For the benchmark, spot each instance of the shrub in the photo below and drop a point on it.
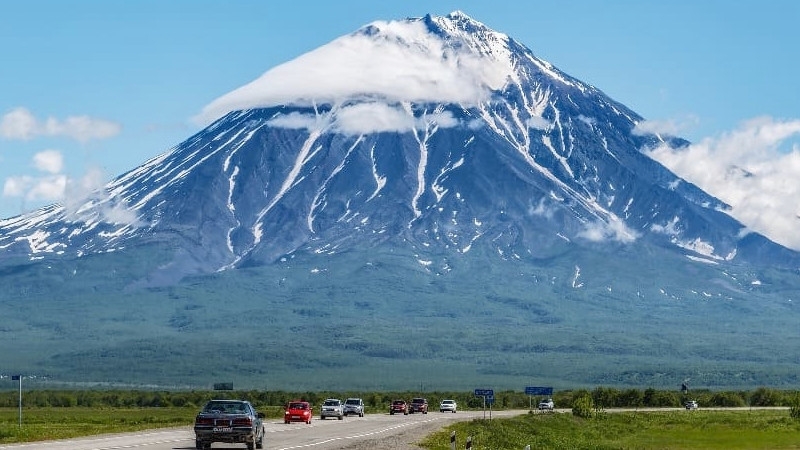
(583, 406)
(766, 397)
(794, 406)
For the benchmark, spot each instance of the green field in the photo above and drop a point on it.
(49, 423)
(756, 429)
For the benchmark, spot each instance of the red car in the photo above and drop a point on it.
(399, 406)
(298, 411)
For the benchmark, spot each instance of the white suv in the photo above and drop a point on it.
(448, 405)
(354, 406)
(332, 408)
(547, 404)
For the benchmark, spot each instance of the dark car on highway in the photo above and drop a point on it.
(231, 422)
(398, 406)
(418, 405)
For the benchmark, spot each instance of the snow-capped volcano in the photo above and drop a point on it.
(437, 133)
(478, 211)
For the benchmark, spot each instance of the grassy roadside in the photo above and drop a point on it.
(761, 429)
(40, 424)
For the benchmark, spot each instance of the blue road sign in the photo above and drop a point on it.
(484, 392)
(490, 399)
(15, 377)
(538, 390)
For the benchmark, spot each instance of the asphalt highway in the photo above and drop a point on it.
(319, 435)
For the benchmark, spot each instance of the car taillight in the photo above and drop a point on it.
(242, 422)
(204, 421)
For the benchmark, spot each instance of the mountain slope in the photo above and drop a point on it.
(437, 147)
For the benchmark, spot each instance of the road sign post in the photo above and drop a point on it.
(485, 393)
(19, 378)
(537, 390)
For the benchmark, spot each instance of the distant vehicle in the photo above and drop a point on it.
(418, 404)
(354, 406)
(399, 406)
(231, 422)
(691, 404)
(298, 411)
(332, 407)
(448, 405)
(546, 405)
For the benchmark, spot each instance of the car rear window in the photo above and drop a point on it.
(352, 402)
(297, 406)
(331, 403)
(225, 407)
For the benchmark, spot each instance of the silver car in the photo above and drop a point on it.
(332, 407)
(448, 405)
(354, 406)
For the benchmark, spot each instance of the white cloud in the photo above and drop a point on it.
(542, 209)
(664, 127)
(539, 123)
(746, 169)
(671, 228)
(21, 124)
(90, 187)
(392, 61)
(18, 124)
(17, 186)
(365, 118)
(50, 161)
(73, 194)
(296, 121)
(613, 230)
(47, 188)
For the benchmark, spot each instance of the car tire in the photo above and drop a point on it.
(341, 417)
(391, 413)
(361, 414)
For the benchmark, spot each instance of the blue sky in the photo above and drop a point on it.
(91, 89)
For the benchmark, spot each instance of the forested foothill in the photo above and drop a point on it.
(602, 397)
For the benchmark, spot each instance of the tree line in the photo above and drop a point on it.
(602, 397)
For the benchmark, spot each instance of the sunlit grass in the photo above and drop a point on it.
(39, 424)
(645, 430)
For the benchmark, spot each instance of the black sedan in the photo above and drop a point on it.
(229, 421)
